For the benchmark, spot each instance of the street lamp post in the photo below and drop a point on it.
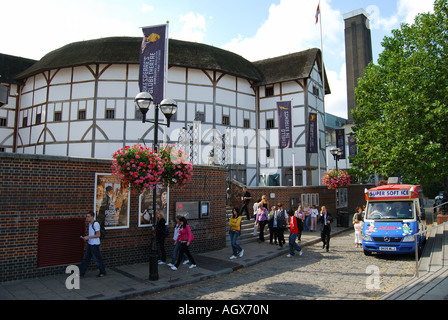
(144, 101)
(336, 152)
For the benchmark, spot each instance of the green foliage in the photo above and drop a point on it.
(401, 121)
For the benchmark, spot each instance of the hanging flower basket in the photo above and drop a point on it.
(142, 168)
(139, 166)
(178, 170)
(334, 179)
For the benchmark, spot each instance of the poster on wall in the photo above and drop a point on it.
(111, 201)
(145, 209)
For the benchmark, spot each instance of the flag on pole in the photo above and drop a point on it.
(317, 13)
(312, 133)
(284, 124)
(153, 61)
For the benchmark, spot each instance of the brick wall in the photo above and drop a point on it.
(34, 187)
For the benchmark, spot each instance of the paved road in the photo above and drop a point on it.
(343, 273)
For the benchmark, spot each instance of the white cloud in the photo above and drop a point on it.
(378, 21)
(336, 102)
(291, 27)
(410, 8)
(193, 28)
(147, 8)
(49, 24)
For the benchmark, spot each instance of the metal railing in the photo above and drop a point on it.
(421, 233)
(432, 209)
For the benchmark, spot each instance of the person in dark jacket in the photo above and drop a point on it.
(325, 220)
(160, 236)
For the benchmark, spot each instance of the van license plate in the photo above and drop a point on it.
(388, 249)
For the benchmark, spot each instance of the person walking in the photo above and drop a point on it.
(299, 214)
(262, 219)
(161, 234)
(325, 220)
(281, 217)
(235, 231)
(358, 215)
(272, 225)
(177, 245)
(357, 225)
(246, 197)
(293, 232)
(93, 247)
(255, 216)
(314, 213)
(185, 238)
(307, 217)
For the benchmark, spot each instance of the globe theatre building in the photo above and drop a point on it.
(78, 101)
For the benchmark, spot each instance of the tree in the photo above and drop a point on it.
(401, 119)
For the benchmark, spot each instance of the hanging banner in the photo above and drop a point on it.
(284, 124)
(312, 133)
(340, 141)
(153, 55)
(352, 149)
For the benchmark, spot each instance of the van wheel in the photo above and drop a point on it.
(367, 253)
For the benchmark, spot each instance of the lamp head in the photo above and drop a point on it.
(143, 101)
(169, 108)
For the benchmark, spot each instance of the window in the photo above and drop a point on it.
(269, 91)
(315, 91)
(2, 122)
(200, 116)
(270, 124)
(38, 118)
(82, 115)
(310, 198)
(57, 116)
(25, 122)
(246, 123)
(110, 114)
(226, 120)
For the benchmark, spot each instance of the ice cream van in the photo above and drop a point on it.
(394, 213)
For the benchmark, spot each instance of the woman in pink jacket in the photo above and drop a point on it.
(185, 237)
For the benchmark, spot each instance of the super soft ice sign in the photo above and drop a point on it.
(380, 194)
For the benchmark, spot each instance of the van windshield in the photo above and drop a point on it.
(390, 210)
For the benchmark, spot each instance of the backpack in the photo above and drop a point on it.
(281, 221)
(102, 229)
(299, 223)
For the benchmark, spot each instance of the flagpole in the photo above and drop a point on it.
(323, 96)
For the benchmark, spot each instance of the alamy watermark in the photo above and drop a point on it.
(373, 280)
(72, 281)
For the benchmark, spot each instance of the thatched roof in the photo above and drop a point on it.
(123, 50)
(290, 67)
(10, 66)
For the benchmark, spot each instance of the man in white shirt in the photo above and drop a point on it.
(93, 247)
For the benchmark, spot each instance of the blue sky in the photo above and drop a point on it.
(255, 29)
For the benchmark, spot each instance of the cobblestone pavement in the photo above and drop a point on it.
(342, 273)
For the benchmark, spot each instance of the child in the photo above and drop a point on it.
(358, 232)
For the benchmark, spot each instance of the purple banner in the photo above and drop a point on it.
(340, 141)
(312, 133)
(152, 61)
(284, 124)
(352, 149)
